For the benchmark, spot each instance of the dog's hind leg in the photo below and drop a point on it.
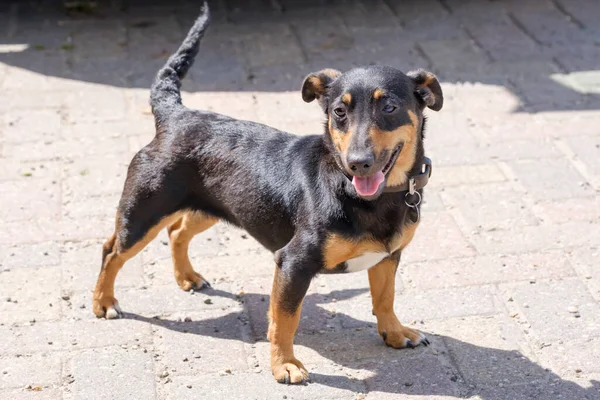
(181, 233)
(115, 252)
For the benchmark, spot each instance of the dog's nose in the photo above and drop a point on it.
(360, 163)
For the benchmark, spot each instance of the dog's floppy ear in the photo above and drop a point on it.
(428, 89)
(316, 84)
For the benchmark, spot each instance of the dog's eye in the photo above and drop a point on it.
(388, 108)
(339, 112)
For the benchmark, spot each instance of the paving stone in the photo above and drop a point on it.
(69, 148)
(95, 206)
(420, 306)
(235, 105)
(456, 272)
(27, 304)
(438, 228)
(216, 269)
(32, 337)
(576, 209)
(482, 153)
(421, 375)
(279, 109)
(42, 370)
(463, 175)
(126, 333)
(29, 255)
(550, 179)
(19, 169)
(571, 357)
(212, 342)
(25, 394)
(535, 238)
(17, 233)
(29, 198)
(489, 350)
(578, 388)
(489, 206)
(95, 176)
(546, 306)
(265, 387)
(92, 105)
(31, 126)
(587, 149)
(585, 261)
(275, 46)
(106, 367)
(159, 300)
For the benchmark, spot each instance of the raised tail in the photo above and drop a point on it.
(165, 95)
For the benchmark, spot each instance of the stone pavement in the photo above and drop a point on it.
(504, 271)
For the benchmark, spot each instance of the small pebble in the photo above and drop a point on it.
(164, 374)
(514, 314)
(572, 309)
(578, 370)
(408, 383)
(189, 386)
(208, 301)
(532, 280)
(228, 370)
(510, 299)
(66, 297)
(187, 319)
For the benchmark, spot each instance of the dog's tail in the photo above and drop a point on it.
(165, 95)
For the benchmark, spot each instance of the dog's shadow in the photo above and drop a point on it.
(449, 367)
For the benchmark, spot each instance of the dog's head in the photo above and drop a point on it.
(374, 120)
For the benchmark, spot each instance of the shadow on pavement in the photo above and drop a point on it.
(491, 374)
(271, 45)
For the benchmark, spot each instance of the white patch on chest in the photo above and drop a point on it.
(365, 261)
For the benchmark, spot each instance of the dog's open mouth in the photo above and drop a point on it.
(369, 186)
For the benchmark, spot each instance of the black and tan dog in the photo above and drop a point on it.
(343, 201)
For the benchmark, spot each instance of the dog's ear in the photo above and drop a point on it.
(316, 84)
(427, 89)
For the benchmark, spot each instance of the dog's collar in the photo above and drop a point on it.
(415, 182)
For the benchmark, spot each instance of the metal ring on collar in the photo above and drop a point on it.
(412, 205)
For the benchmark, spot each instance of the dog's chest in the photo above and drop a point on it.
(342, 254)
(364, 261)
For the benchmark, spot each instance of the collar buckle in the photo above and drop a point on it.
(411, 186)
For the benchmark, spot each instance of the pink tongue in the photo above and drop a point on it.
(368, 185)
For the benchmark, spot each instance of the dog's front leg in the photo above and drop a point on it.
(382, 282)
(293, 273)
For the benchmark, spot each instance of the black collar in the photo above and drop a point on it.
(415, 182)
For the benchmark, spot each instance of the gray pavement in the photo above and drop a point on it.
(503, 273)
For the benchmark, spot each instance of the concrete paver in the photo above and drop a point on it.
(506, 252)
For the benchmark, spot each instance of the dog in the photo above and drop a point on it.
(344, 201)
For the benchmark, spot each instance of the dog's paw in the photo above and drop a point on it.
(404, 337)
(291, 371)
(107, 307)
(191, 281)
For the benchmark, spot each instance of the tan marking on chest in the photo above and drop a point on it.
(338, 249)
(403, 238)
